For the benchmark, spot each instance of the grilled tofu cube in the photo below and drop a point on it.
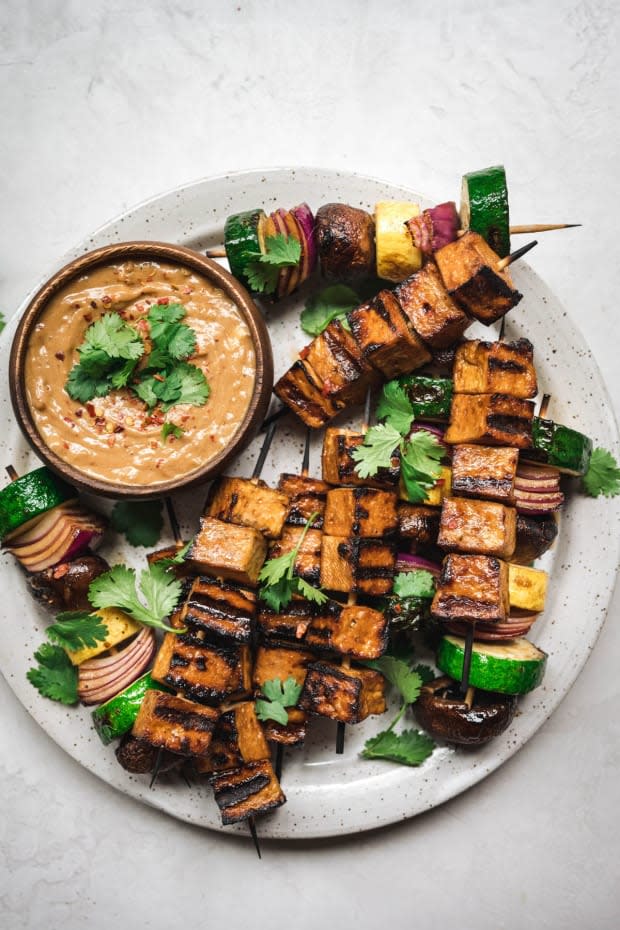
(219, 611)
(291, 623)
(468, 268)
(436, 318)
(292, 733)
(360, 632)
(233, 552)
(249, 503)
(205, 673)
(176, 724)
(180, 570)
(418, 522)
(337, 360)
(301, 389)
(348, 695)
(385, 337)
(477, 527)
(238, 738)
(247, 791)
(338, 464)
(484, 471)
(527, 588)
(491, 419)
(308, 560)
(281, 662)
(495, 368)
(354, 565)
(360, 512)
(472, 587)
(306, 496)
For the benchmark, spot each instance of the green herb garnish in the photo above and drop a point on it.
(603, 475)
(55, 677)
(278, 581)
(147, 600)
(77, 629)
(332, 303)
(2, 321)
(170, 429)
(395, 407)
(263, 268)
(140, 521)
(279, 697)
(416, 583)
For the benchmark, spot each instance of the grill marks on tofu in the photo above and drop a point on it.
(228, 551)
(208, 674)
(175, 723)
(347, 695)
(418, 523)
(249, 503)
(337, 360)
(385, 337)
(338, 464)
(472, 588)
(356, 565)
(217, 611)
(238, 738)
(435, 317)
(495, 368)
(490, 419)
(301, 389)
(247, 791)
(477, 527)
(308, 561)
(281, 662)
(468, 268)
(354, 630)
(484, 471)
(360, 512)
(306, 496)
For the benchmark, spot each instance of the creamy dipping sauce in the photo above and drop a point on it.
(114, 438)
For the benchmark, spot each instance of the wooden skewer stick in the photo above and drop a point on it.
(504, 262)
(11, 472)
(174, 523)
(469, 645)
(217, 251)
(254, 835)
(157, 766)
(544, 406)
(274, 417)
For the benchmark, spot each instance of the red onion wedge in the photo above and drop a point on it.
(305, 219)
(405, 562)
(70, 533)
(435, 227)
(99, 679)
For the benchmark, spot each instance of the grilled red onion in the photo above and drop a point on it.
(405, 562)
(99, 679)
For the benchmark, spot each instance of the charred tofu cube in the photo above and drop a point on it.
(484, 471)
(227, 551)
(337, 360)
(385, 337)
(348, 695)
(477, 527)
(292, 733)
(491, 419)
(469, 271)
(290, 624)
(355, 565)
(208, 674)
(338, 464)
(418, 522)
(360, 632)
(360, 512)
(472, 588)
(176, 724)
(301, 389)
(281, 662)
(495, 368)
(238, 738)
(249, 503)
(308, 560)
(247, 791)
(219, 611)
(306, 496)
(180, 570)
(430, 309)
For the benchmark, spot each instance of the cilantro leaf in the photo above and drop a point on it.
(376, 451)
(2, 321)
(193, 386)
(112, 336)
(140, 521)
(416, 484)
(278, 579)
(82, 386)
(77, 629)
(423, 452)
(277, 594)
(603, 475)
(177, 559)
(395, 407)
(263, 269)
(171, 340)
(425, 672)
(309, 591)
(171, 429)
(398, 673)
(279, 696)
(416, 583)
(159, 588)
(55, 677)
(165, 313)
(411, 747)
(332, 303)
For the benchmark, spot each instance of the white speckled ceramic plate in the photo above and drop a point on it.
(330, 794)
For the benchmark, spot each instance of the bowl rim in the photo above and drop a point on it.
(144, 250)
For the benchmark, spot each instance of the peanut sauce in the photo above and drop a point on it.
(114, 438)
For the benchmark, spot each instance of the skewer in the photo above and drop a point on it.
(254, 835)
(504, 262)
(544, 406)
(469, 645)
(274, 417)
(174, 523)
(11, 472)
(157, 766)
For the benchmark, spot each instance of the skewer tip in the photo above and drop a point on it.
(254, 835)
(509, 259)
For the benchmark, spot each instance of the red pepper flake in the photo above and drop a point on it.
(106, 300)
(79, 413)
(91, 410)
(111, 440)
(60, 571)
(88, 317)
(158, 377)
(119, 429)
(99, 421)
(163, 301)
(76, 306)
(69, 422)
(93, 304)
(60, 356)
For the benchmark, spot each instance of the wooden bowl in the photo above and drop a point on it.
(156, 252)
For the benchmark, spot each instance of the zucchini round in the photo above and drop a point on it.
(27, 498)
(559, 446)
(513, 667)
(243, 239)
(484, 207)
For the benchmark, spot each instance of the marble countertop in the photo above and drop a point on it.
(108, 103)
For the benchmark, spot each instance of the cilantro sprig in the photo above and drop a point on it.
(603, 475)
(409, 603)
(55, 676)
(113, 355)
(420, 452)
(77, 629)
(262, 269)
(280, 695)
(147, 599)
(279, 582)
(140, 521)
(409, 747)
(332, 303)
